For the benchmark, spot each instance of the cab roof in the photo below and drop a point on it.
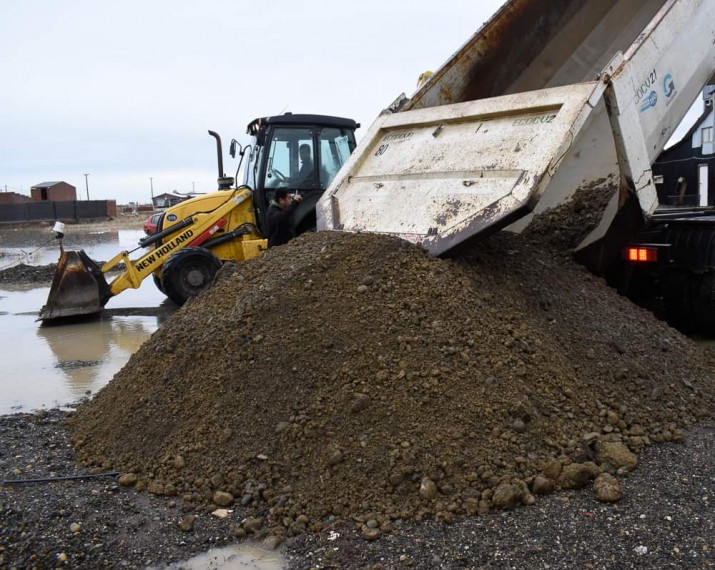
(291, 119)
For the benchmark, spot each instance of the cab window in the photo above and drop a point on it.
(336, 145)
(290, 161)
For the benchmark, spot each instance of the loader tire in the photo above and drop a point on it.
(188, 272)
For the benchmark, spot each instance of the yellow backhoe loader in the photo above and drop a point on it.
(196, 236)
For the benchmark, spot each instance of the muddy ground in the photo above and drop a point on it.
(371, 407)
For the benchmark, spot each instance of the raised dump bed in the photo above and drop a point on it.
(545, 99)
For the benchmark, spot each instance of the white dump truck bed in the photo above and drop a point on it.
(544, 99)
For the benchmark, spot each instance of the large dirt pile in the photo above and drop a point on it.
(353, 377)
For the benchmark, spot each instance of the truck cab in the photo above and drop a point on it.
(301, 153)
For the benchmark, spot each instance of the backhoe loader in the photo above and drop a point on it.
(196, 236)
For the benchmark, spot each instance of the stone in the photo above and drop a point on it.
(370, 533)
(575, 476)
(614, 456)
(187, 523)
(252, 525)
(542, 485)
(428, 489)
(361, 402)
(552, 469)
(127, 479)
(179, 462)
(396, 479)
(519, 426)
(155, 488)
(336, 457)
(223, 499)
(607, 488)
(75, 527)
(507, 495)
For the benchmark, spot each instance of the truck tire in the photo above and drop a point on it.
(704, 303)
(678, 300)
(188, 272)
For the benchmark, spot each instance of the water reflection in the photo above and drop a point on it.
(84, 353)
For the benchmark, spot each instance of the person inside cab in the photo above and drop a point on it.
(304, 178)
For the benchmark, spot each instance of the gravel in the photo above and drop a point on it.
(665, 520)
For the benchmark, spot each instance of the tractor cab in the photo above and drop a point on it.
(301, 153)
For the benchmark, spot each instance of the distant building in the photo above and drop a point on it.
(167, 200)
(13, 198)
(685, 173)
(53, 191)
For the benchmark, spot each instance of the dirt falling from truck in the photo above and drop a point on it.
(351, 377)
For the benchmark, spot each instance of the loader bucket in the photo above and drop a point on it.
(78, 288)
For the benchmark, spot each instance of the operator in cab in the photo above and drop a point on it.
(305, 174)
(279, 218)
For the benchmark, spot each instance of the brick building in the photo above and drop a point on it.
(53, 191)
(13, 198)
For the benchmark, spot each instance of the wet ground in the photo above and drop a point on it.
(47, 367)
(54, 366)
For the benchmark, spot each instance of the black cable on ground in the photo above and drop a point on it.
(66, 478)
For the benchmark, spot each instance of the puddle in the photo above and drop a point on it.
(37, 247)
(55, 366)
(236, 557)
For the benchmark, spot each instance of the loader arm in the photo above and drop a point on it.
(79, 286)
(192, 231)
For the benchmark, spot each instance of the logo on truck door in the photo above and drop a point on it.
(669, 89)
(645, 94)
(650, 101)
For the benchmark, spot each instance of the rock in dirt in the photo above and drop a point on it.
(614, 456)
(507, 495)
(607, 488)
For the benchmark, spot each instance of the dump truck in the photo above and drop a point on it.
(546, 99)
(194, 237)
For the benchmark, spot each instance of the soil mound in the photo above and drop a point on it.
(22, 274)
(352, 377)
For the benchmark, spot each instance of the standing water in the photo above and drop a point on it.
(54, 366)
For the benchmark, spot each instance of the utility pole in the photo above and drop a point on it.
(193, 186)
(86, 184)
(151, 181)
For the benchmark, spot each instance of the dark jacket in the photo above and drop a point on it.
(304, 179)
(279, 223)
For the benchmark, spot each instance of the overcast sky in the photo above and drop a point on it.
(125, 91)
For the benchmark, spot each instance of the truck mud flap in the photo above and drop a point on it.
(78, 288)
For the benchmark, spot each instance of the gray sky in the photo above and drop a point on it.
(126, 90)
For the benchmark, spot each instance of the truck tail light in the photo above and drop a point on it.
(642, 254)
